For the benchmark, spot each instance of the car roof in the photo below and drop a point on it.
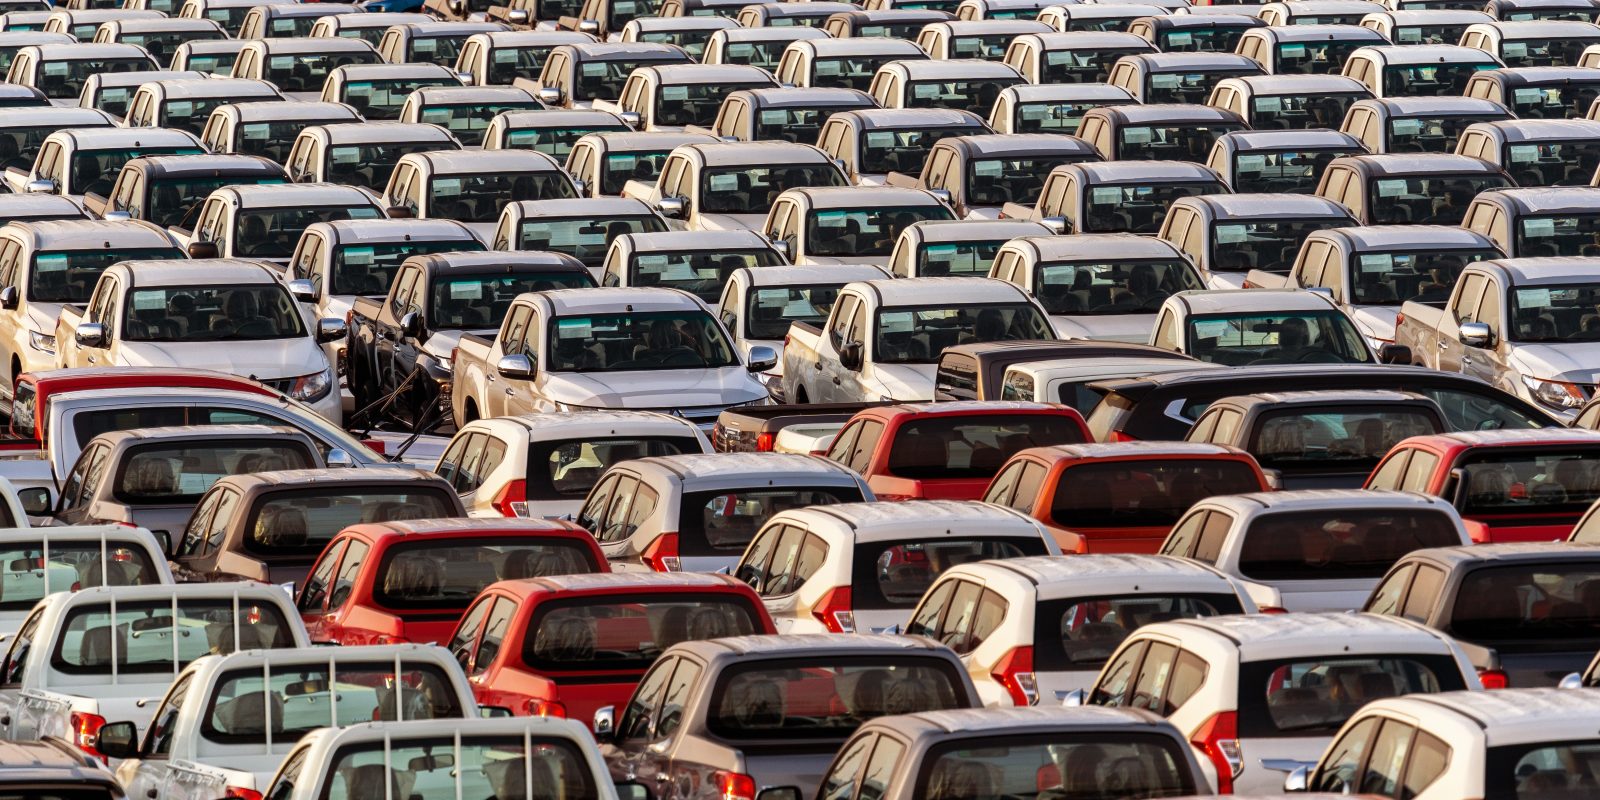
(619, 582)
(1218, 301)
(696, 240)
(383, 131)
(1521, 436)
(1150, 450)
(924, 291)
(1086, 575)
(51, 762)
(875, 118)
(1017, 144)
(626, 141)
(1296, 84)
(1323, 32)
(90, 234)
(215, 87)
(1241, 206)
(1322, 397)
(1554, 269)
(330, 478)
(500, 261)
(933, 231)
(1549, 198)
(89, 50)
(765, 153)
(813, 95)
(1120, 171)
(471, 94)
(286, 45)
(198, 272)
(1423, 53)
(951, 69)
(1525, 75)
(1523, 130)
(1509, 716)
(710, 73)
(833, 274)
(600, 422)
(581, 206)
(258, 195)
(1291, 140)
(601, 51)
(807, 644)
(528, 118)
(1168, 112)
(292, 111)
(1425, 237)
(450, 161)
(923, 519)
(1097, 246)
(1085, 40)
(1436, 16)
(832, 197)
(1177, 62)
(613, 298)
(1506, 552)
(1022, 720)
(210, 163)
(90, 138)
(513, 526)
(186, 432)
(1306, 635)
(975, 27)
(856, 46)
(1419, 163)
(1323, 500)
(754, 469)
(63, 116)
(360, 72)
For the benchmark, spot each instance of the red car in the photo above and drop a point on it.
(393, 582)
(571, 645)
(1510, 486)
(30, 406)
(1123, 497)
(947, 451)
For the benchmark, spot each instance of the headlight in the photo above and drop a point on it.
(313, 387)
(42, 341)
(1559, 395)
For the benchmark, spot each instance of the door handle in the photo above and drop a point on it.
(1442, 344)
(491, 377)
(836, 382)
(816, 365)
(511, 392)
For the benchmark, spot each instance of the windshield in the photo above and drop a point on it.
(1176, 142)
(602, 80)
(1114, 287)
(1097, 766)
(975, 96)
(63, 80)
(811, 697)
(1429, 134)
(449, 573)
(654, 340)
(96, 170)
(296, 525)
(369, 269)
(156, 475)
(69, 276)
(854, 72)
(553, 142)
(82, 564)
(473, 766)
(567, 470)
(583, 239)
(975, 446)
(639, 165)
(441, 49)
(895, 30)
(1285, 171)
(969, 258)
(1149, 493)
(1557, 770)
(114, 100)
(369, 166)
(219, 64)
(1343, 544)
(753, 189)
(306, 72)
(1430, 34)
(864, 231)
(1137, 208)
(273, 139)
(1563, 52)
(1389, 279)
(702, 273)
(616, 632)
(1352, 439)
(1269, 245)
(1054, 117)
(1548, 602)
(919, 335)
(765, 55)
(273, 232)
(1427, 199)
(1209, 39)
(480, 197)
(1319, 695)
(997, 181)
(1562, 101)
(480, 302)
(191, 115)
(692, 42)
(1548, 482)
(229, 18)
(211, 313)
(1187, 87)
(903, 151)
(694, 103)
(146, 637)
(1311, 337)
(506, 64)
(1558, 235)
(19, 146)
(801, 125)
(171, 200)
(470, 121)
(383, 99)
(1324, 110)
(1318, 58)
(1431, 80)
(1081, 66)
(1556, 313)
(1552, 163)
(300, 698)
(771, 310)
(1080, 634)
(991, 47)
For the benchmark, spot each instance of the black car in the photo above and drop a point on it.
(55, 770)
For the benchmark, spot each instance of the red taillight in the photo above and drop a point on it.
(896, 498)
(453, 352)
(375, 446)
(384, 638)
(662, 554)
(1015, 672)
(835, 612)
(512, 501)
(1248, 285)
(1218, 738)
(1494, 679)
(1119, 436)
(86, 732)
(733, 786)
(1273, 610)
(240, 793)
(765, 441)
(1399, 319)
(546, 708)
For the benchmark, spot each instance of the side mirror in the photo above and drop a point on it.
(9, 297)
(494, 712)
(331, 329)
(91, 334)
(35, 501)
(517, 367)
(1476, 334)
(303, 290)
(782, 246)
(631, 119)
(590, 26)
(200, 249)
(411, 325)
(519, 17)
(943, 195)
(1572, 680)
(548, 95)
(464, 77)
(1057, 225)
(1394, 354)
(582, 186)
(397, 212)
(118, 740)
(164, 541)
(605, 722)
(850, 355)
(340, 459)
(1298, 781)
(1074, 698)
(673, 207)
(762, 358)
(45, 186)
(779, 793)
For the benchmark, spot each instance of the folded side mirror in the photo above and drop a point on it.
(673, 207)
(850, 355)
(1476, 334)
(762, 358)
(9, 298)
(340, 459)
(1394, 354)
(1057, 225)
(35, 501)
(331, 329)
(516, 367)
(91, 334)
(1076, 697)
(518, 17)
(411, 325)
(398, 212)
(303, 290)
(118, 740)
(943, 195)
(631, 119)
(549, 95)
(632, 791)
(782, 246)
(41, 187)
(1571, 680)
(199, 249)
(589, 26)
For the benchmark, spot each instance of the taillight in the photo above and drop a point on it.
(733, 785)
(546, 708)
(897, 498)
(1015, 672)
(1494, 679)
(512, 501)
(240, 793)
(1248, 285)
(1218, 738)
(1119, 437)
(1399, 319)
(384, 638)
(1272, 610)
(835, 612)
(765, 441)
(662, 554)
(86, 732)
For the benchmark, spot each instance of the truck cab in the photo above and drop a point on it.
(1226, 236)
(1099, 285)
(582, 229)
(963, 84)
(576, 75)
(1292, 102)
(160, 36)
(465, 111)
(187, 104)
(784, 114)
(758, 46)
(1079, 57)
(841, 63)
(1115, 196)
(1055, 108)
(759, 303)
(268, 129)
(285, 20)
(870, 144)
(954, 248)
(676, 96)
(265, 221)
(378, 91)
(1537, 152)
(1278, 162)
(1410, 188)
(1417, 124)
(977, 175)
(847, 224)
(553, 132)
(25, 129)
(731, 185)
(299, 66)
(434, 42)
(498, 58)
(604, 163)
(1161, 132)
(166, 190)
(1264, 327)
(471, 186)
(76, 161)
(361, 154)
(110, 92)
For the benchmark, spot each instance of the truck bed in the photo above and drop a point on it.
(1419, 330)
(749, 429)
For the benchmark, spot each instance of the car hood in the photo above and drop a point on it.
(440, 343)
(905, 381)
(1377, 322)
(42, 316)
(262, 359)
(1133, 328)
(728, 222)
(677, 388)
(1578, 362)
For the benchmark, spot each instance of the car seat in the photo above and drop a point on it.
(281, 526)
(247, 715)
(757, 704)
(567, 640)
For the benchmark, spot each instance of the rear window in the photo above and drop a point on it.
(1058, 765)
(299, 698)
(1317, 695)
(1554, 602)
(1556, 770)
(568, 470)
(36, 568)
(627, 632)
(828, 698)
(956, 447)
(896, 574)
(1081, 633)
(449, 573)
(486, 766)
(723, 523)
(1131, 494)
(145, 636)
(299, 524)
(1346, 440)
(1337, 545)
(163, 475)
(1541, 482)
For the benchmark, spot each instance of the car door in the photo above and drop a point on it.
(13, 673)
(313, 599)
(1452, 355)
(155, 775)
(1488, 364)
(636, 732)
(387, 343)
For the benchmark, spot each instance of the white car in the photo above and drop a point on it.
(1055, 620)
(1255, 693)
(1509, 743)
(698, 513)
(547, 463)
(863, 566)
(78, 554)
(1316, 549)
(1067, 380)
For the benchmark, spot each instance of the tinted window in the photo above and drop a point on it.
(1080, 634)
(302, 697)
(895, 574)
(568, 470)
(165, 475)
(704, 273)
(973, 446)
(827, 698)
(722, 523)
(1540, 482)
(487, 767)
(1058, 764)
(1551, 602)
(449, 573)
(1542, 771)
(622, 632)
(145, 636)
(1298, 338)
(771, 310)
(1320, 694)
(1144, 493)
(70, 276)
(72, 565)
(1339, 544)
(298, 524)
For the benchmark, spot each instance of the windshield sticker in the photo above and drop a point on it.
(1180, 38)
(894, 322)
(988, 169)
(774, 117)
(1533, 298)
(1269, 104)
(447, 186)
(1136, 135)
(1292, 50)
(1514, 49)
(1539, 226)
(1250, 163)
(573, 328)
(1232, 234)
(724, 183)
(345, 155)
(831, 219)
(651, 263)
(1165, 81)
(1033, 112)
(149, 301)
(1407, 127)
(1102, 195)
(506, 56)
(1391, 188)
(829, 67)
(466, 290)
(1210, 328)
(674, 93)
(51, 262)
(356, 256)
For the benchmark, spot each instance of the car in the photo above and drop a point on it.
(1091, 17)
(1325, 12)
(886, 23)
(1243, 233)
(975, 371)
(843, 63)
(434, 42)
(378, 91)
(977, 175)
(363, 154)
(54, 766)
(279, 21)
(1285, 326)
(985, 39)
(961, 84)
(1545, 152)
(59, 70)
(269, 128)
(1410, 188)
(1253, 691)
(187, 104)
(1312, 549)
(689, 32)
(365, 25)
(1079, 57)
(1097, 285)
(603, 163)
(1417, 124)
(498, 58)
(159, 36)
(955, 248)
(552, 132)
(1055, 108)
(13, 40)
(73, 162)
(870, 144)
(569, 646)
(576, 75)
(583, 229)
(1538, 92)
(79, 555)
(732, 185)
(465, 111)
(703, 263)
(1417, 70)
(167, 190)
(1177, 77)
(1032, 629)
(777, 15)
(24, 130)
(471, 186)
(1068, 380)
(1580, 10)
(1425, 25)
(38, 208)
(763, 46)
(271, 526)
(81, 23)
(1115, 196)
(210, 56)
(1540, 222)
(1533, 43)
(1308, 49)
(822, 225)
(790, 114)
(1288, 102)
(298, 66)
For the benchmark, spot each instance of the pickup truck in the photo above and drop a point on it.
(650, 349)
(1526, 326)
(829, 225)
(402, 345)
(500, 57)
(671, 97)
(78, 557)
(75, 161)
(24, 129)
(759, 303)
(472, 186)
(731, 185)
(69, 670)
(882, 338)
(233, 314)
(577, 75)
(1265, 326)
(265, 221)
(168, 190)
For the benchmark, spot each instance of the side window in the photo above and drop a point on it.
(863, 448)
(885, 757)
(1033, 475)
(349, 567)
(1388, 759)
(991, 612)
(313, 597)
(753, 566)
(957, 628)
(841, 320)
(614, 525)
(1209, 548)
(158, 741)
(1004, 485)
(1203, 428)
(1151, 681)
(1389, 473)
(925, 621)
(637, 719)
(494, 633)
(779, 578)
(844, 444)
(1117, 677)
(1429, 756)
(466, 475)
(1489, 307)
(1167, 332)
(450, 462)
(1465, 305)
(1188, 675)
(12, 671)
(1386, 598)
(467, 632)
(1341, 767)
(1419, 473)
(1424, 594)
(683, 681)
(511, 336)
(844, 777)
(1185, 535)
